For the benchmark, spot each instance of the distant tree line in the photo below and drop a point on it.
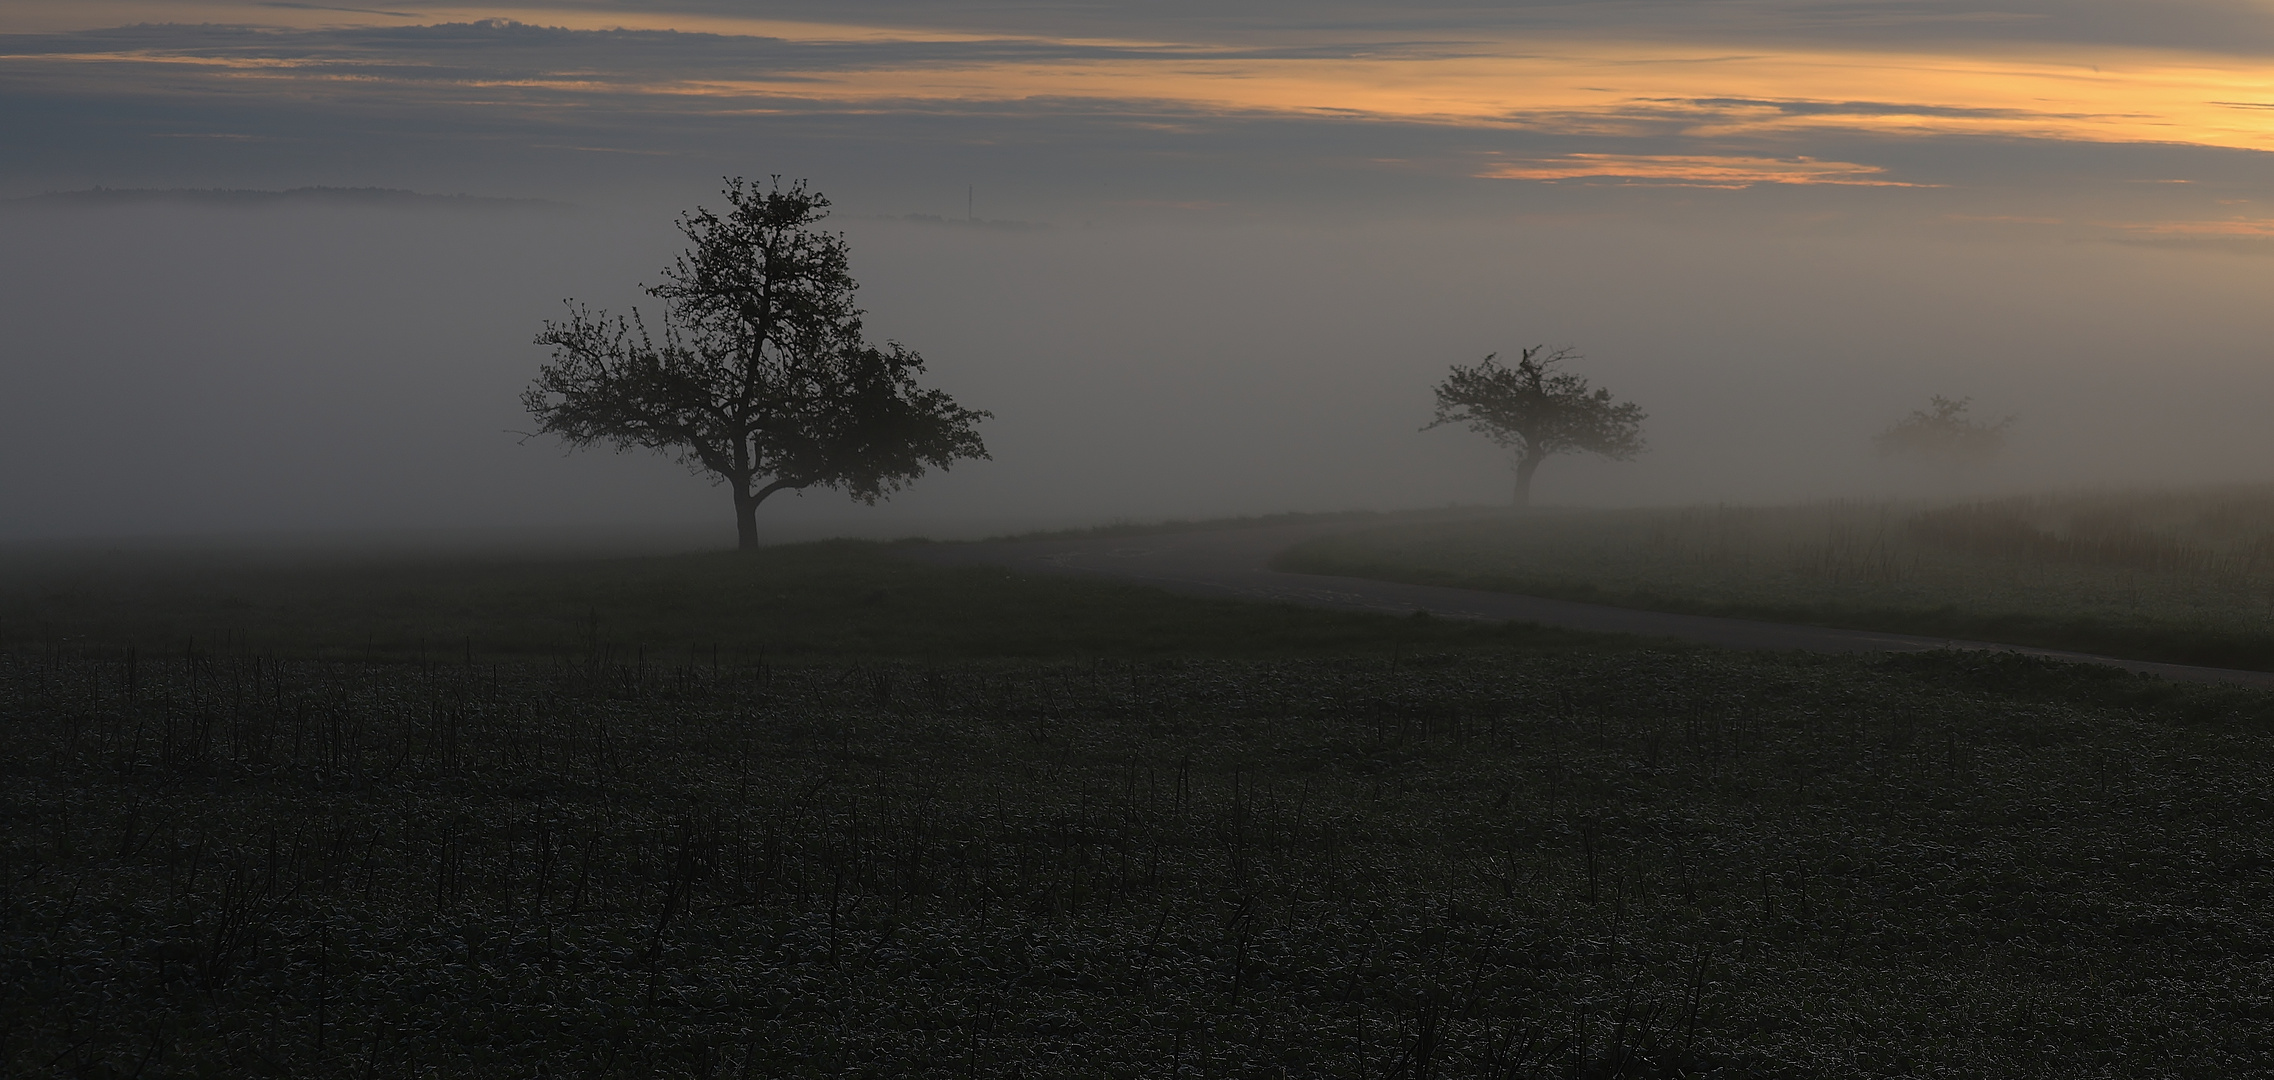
(760, 376)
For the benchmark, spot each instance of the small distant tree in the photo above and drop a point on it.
(761, 377)
(1943, 434)
(1536, 412)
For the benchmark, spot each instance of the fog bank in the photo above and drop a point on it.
(176, 369)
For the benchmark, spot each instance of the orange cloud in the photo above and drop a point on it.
(1610, 87)
(1569, 85)
(1693, 170)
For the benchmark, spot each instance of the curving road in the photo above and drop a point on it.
(1236, 562)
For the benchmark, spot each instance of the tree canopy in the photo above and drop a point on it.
(761, 376)
(1942, 433)
(1535, 411)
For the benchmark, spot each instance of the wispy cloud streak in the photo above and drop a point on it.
(1695, 170)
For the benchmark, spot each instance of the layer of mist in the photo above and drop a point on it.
(318, 368)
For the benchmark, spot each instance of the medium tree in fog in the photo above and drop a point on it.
(1943, 434)
(761, 376)
(1535, 412)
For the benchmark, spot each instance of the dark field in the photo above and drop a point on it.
(836, 599)
(1635, 864)
(910, 821)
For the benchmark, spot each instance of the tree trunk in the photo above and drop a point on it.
(1524, 469)
(745, 515)
(746, 508)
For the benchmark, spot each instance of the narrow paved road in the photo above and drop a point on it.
(1236, 562)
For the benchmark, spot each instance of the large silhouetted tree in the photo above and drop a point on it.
(761, 376)
(1536, 412)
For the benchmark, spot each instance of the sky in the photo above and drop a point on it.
(1196, 259)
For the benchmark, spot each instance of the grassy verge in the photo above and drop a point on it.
(2133, 641)
(833, 599)
(1636, 864)
(1819, 566)
(1354, 518)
